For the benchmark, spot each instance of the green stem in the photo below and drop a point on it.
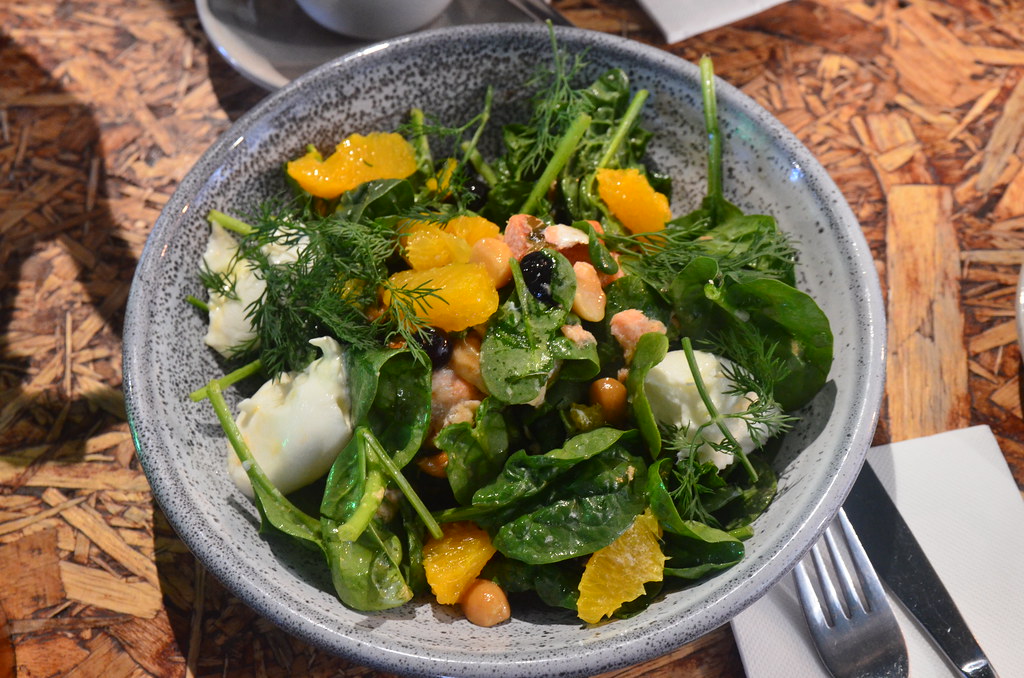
(561, 156)
(198, 303)
(707, 87)
(368, 505)
(480, 165)
(716, 417)
(374, 447)
(422, 143)
(228, 379)
(230, 223)
(485, 116)
(625, 124)
(308, 527)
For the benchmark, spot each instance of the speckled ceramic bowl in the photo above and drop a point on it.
(445, 72)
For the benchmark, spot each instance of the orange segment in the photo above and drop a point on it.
(455, 560)
(357, 159)
(632, 200)
(463, 296)
(472, 228)
(617, 573)
(427, 246)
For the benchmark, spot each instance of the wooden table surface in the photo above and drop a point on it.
(916, 108)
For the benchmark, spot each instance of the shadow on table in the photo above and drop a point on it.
(60, 250)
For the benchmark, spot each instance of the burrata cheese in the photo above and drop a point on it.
(675, 401)
(296, 424)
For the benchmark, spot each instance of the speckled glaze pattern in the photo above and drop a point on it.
(445, 72)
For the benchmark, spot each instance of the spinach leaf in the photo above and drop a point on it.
(516, 360)
(751, 501)
(556, 584)
(695, 312)
(367, 573)
(355, 488)
(664, 508)
(381, 198)
(585, 512)
(476, 451)
(690, 558)
(390, 393)
(415, 537)
(599, 255)
(650, 351)
(525, 475)
(792, 320)
(578, 362)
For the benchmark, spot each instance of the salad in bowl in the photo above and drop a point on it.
(509, 375)
(464, 355)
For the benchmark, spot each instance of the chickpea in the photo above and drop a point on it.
(435, 465)
(610, 395)
(493, 254)
(465, 361)
(484, 603)
(590, 300)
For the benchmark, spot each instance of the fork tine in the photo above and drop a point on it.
(828, 589)
(807, 596)
(842, 573)
(873, 593)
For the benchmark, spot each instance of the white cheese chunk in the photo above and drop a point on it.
(675, 401)
(295, 425)
(230, 325)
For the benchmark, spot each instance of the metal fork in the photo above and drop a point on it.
(860, 639)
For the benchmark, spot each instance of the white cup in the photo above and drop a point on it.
(373, 19)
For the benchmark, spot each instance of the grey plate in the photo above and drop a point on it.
(272, 42)
(445, 72)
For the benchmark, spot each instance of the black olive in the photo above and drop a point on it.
(537, 268)
(480, 190)
(437, 344)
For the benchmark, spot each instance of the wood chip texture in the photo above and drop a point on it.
(915, 107)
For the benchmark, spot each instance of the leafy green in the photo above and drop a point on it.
(367, 573)
(476, 451)
(516, 360)
(650, 350)
(581, 514)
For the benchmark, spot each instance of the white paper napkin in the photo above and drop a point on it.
(679, 19)
(957, 495)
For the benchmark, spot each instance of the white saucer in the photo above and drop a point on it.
(271, 42)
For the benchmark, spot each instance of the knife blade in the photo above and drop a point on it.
(903, 566)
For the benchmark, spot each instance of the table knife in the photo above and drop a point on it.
(903, 566)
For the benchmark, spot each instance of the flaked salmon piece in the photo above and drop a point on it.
(450, 396)
(578, 335)
(523, 233)
(563, 237)
(629, 325)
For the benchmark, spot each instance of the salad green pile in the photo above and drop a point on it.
(539, 468)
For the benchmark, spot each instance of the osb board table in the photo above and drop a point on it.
(915, 107)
